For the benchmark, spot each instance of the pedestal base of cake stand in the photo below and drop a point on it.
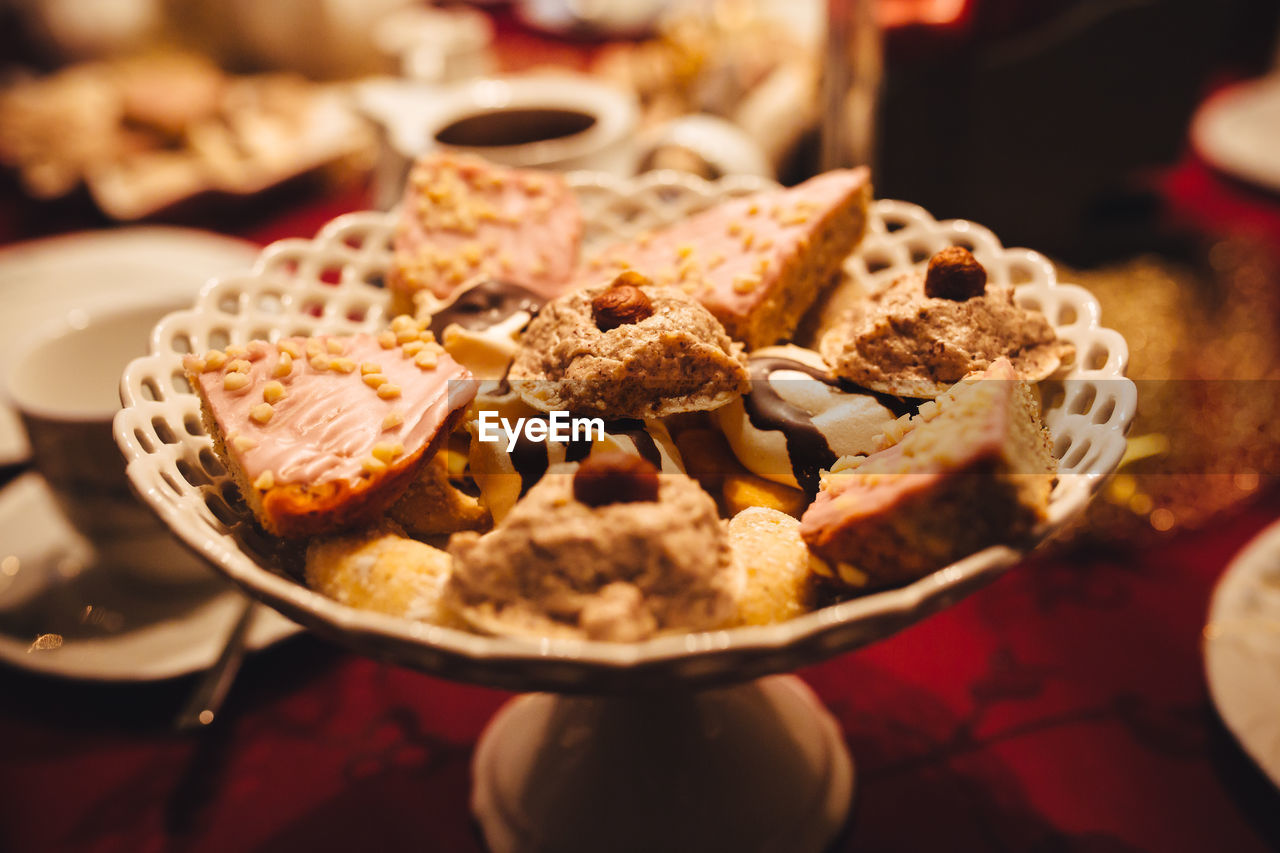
(760, 766)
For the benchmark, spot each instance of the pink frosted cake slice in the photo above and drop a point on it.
(973, 469)
(758, 262)
(323, 433)
(463, 218)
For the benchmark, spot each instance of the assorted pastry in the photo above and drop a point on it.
(624, 445)
(145, 132)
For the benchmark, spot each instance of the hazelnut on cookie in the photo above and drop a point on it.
(608, 549)
(929, 330)
(627, 349)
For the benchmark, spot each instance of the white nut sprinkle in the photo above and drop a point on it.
(343, 365)
(235, 381)
(266, 480)
(374, 380)
(261, 413)
(412, 348)
(257, 349)
(403, 321)
(273, 392)
(386, 339)
(819, 566)
(237, 351)
(392, 420)
(335, 346)
(851, 575)
(368, 367)
(405, 335)
(284, 365)
(214, 359)
(314, 348)
(193, 363)
(238, 365)
(291, 348)
(373, 466)
(243, 443)
(388, 390)
(319, 362)
(386, 451)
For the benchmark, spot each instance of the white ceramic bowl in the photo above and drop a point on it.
(328, 283)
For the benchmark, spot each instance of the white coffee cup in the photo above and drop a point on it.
(556, 120)
(64, 382)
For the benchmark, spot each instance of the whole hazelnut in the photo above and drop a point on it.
(624, 302)
(614, 477)
(954, 273)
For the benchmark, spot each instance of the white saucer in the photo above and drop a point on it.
(1238, 131)
(1242, 650)
(112, 627)
(42, 279)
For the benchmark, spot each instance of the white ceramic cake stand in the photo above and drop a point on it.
(758, 766)
(681, 742)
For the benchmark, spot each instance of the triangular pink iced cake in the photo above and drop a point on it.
(325, 432)
(972, 469)
(757, 262)
(463, 218)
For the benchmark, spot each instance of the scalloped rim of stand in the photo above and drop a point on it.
(328, 283)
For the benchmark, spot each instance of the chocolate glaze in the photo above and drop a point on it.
(634, 429)
(530, 459)
(807, 447)
(485, 304)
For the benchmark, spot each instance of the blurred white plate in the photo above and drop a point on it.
(42, 279)
(1238, 131)
(113, 628)
(1242, 650)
